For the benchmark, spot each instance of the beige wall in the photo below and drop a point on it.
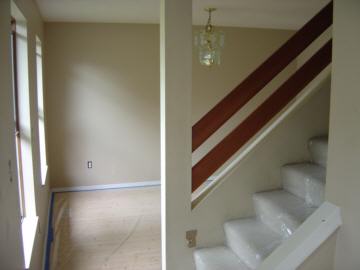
(323, 257)
(103, 91)
(260, 170)
(10, 233)
(103, 94)
(343, 176)
(245, 50)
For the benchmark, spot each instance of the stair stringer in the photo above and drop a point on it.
(315, 230)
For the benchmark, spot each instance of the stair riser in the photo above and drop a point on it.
(310, 189)
(246, 254)
(243, 250)
(218, 258)
(251, 240)
(277, 221)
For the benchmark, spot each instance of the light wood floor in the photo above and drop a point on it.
(110, 229)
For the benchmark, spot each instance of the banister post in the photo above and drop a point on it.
(175, 70)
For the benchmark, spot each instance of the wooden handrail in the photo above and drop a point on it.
(260, 117)
(249, 87)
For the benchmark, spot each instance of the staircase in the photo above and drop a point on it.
(278, 214)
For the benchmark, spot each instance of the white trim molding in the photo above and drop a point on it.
(108, 186)
(306, 239)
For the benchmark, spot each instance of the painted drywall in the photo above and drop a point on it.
(11, 256)
(103, 96)
(343, 175)
(260, 169)
(103, 91)
(323, 257)
(244, 51)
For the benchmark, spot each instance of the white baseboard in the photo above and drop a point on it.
(109, 186)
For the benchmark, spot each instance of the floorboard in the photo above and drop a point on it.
(107, 230)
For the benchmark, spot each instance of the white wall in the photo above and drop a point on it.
(10, 234)
(343, 176)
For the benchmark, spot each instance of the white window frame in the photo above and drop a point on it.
(29, 218)
(41, 111)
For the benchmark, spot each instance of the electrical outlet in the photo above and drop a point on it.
(191, 238)
(89, 164)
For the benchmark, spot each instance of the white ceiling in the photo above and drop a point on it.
(282, 14)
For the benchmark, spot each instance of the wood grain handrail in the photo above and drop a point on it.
(261, 116)
(249, 87)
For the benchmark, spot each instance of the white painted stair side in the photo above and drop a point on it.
(305, 180)
(318, 147)
(251, 240)
(217, 258)
(310, 235)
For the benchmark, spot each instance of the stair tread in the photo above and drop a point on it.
(218, 258)
(251, 240)
(287, 203)
(288, 210)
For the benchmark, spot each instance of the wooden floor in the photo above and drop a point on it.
(109, 229)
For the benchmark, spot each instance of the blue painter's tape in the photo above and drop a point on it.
(50, 236)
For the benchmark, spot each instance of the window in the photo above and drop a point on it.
(41, 114)
(22, 132)
(17, 119)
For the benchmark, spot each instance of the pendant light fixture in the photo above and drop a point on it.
(209, 42)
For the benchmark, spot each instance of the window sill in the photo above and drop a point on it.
(29, 228)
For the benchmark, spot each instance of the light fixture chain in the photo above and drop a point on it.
(209, 19)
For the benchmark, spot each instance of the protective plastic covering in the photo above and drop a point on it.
(251, 240)
(305, 180)
(282, 211)
(218, 258)
(314, 192)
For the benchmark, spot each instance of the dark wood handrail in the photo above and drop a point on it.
(260, 117)
(249, 87)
